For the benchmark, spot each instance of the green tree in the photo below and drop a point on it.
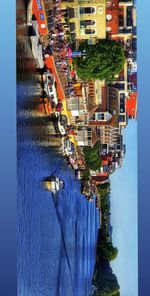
(105, 281)
(110, 252)
(86, 175)
(102, 61)
(92, 157)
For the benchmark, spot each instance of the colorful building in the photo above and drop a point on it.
(131, 105)
(121, 26)
(86, 19)
(112, 155)
(120, 19)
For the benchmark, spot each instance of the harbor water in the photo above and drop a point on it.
(56, 237)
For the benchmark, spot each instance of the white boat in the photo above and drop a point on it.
(60, 123)
(68, 147)
(29, 13)
(36, 46)
(53, 184)
(50, 86)
(61, 129)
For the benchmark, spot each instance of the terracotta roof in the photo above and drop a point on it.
(95, 137)
(114, 110)
(100, 179)
(111, 104)
(112, 122)
(104, 162)
(104, 105)
(91, 95)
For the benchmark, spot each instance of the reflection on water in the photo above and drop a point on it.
(56, 238)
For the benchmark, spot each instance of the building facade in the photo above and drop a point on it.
(86, 18)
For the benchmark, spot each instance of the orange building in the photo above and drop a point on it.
(119, 19)
(131, 105)
(112, 17)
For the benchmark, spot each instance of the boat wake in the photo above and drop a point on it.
(55, 199)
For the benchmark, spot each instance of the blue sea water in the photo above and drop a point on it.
(56, 238)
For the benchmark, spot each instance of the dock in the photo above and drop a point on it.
(36, 45)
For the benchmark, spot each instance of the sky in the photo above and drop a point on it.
(124, 203)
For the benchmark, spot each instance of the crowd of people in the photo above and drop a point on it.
(59, 46)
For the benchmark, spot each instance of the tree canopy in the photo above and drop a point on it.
(92, 157)
(105, 281)
(102, 61)
(107, 251)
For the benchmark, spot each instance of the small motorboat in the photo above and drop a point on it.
(60, 123)
(53, 184)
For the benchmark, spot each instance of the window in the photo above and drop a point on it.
(108, 29)
(121, 86)
(108, 4)
(89, 31)
(92, 118)
(87, 23)
(125, 31)
(41, 16)
(121, 77)
(122, 103)
(121, 21)
(39, 4)
(87, 10)
(100, 10)
(100, 116)
(113, 94)
(108, 17)
(122, 97)
(121, 118)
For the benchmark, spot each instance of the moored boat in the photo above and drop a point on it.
(60, 123)
(53, 184)
(29, 13)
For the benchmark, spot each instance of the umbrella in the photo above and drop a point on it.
(69, 52)
(72, 73)
(70, 61)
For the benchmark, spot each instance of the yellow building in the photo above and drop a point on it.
(88, 18)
